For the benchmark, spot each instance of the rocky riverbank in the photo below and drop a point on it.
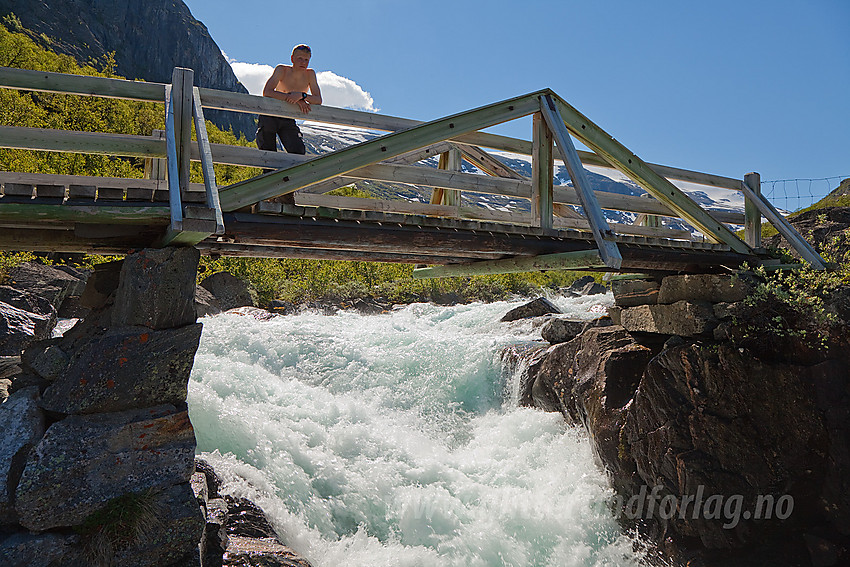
(97, 456)
(724, 434)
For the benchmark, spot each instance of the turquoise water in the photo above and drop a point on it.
(395, 440)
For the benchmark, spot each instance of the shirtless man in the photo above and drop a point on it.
(290, 84)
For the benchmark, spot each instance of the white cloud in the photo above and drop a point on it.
(336, 91)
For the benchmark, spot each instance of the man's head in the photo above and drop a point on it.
(301, 56)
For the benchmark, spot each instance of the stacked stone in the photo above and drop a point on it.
(96, 424)
(691, 305)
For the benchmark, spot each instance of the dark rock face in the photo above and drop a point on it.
(149, 39)
(154, 291)
(176, 536)
(19, 329)
(41, 550)
(562, 330)
(818, 226)
(127, 368)
(84, 461)
(205, 302)
(536, 308)
(229, 291)
(22, 424)
(45, 281)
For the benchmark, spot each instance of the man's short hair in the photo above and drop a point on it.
(302, 47)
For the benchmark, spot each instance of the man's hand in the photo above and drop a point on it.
(303, 105)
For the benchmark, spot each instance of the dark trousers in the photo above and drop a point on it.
(270, 127)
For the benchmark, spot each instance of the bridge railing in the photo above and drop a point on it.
(550, 205)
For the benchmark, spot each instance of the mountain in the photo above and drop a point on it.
(323, 138)
(149, 38)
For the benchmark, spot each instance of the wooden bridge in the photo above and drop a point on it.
(42, 212)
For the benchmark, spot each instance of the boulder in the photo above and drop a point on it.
(629, 293)
(101, 284)
(559, 330)
(46, 359)
(593, 288)
(29, 302)
(19, 328)
(536, 308)
(246, 519)
(521, 360)
(45, 281)
(125, 369)
(157, 288)
(24, 549)
(22, 424)
(580, 283)
(229, 290)
(83, 462)
(250, 552)
(176, 527)
(592, 380)
(205, 302)
(683, 318)
(714, 288)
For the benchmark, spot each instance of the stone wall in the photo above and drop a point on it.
(97, 450)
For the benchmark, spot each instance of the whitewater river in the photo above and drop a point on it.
(395, 440)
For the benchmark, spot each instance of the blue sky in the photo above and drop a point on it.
(721, 86)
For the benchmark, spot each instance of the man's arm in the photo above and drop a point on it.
(315, 96)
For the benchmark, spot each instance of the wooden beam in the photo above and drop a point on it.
(579, 260)
(252, 251)
(779, 222)
(80, 142)
(360, 204)
(487, 163)
(181, 97)
(638, 171)
(542, 169)
(343, 161)
(565, 211)
(66, 180)
(752, 215)
(45, 81)
(598, 225)
(620, 228)
(410, 158)
(171, 145)
(41, 213)
(210, 187)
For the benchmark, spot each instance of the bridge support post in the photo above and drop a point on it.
(752, 215)
(181, 93)
(450, 161)
(542, 170)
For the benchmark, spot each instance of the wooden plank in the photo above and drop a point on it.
(409, 158)
(77, 191)
(282, 182)
(793, 237)
(565, 211)
(638, 171)
(110, 194)
(181, 97)
(752, 216)
(156, 168)
(578, 260)
(80, 142)
(325, 186)
(210, 186)
(542, 170)
(18, 189)
(171, 143)
(49, 191)
(592, 212)
(140, 194)
(253, 251)
(360, 204)
(487, 163)
(582, 224)
(40, 213)
(66, 180)
(44, 81)
(429, 177)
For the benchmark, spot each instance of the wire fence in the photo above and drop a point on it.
(796, 194)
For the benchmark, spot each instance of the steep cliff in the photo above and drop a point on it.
(149, 39)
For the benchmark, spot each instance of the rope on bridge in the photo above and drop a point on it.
(795, 194)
